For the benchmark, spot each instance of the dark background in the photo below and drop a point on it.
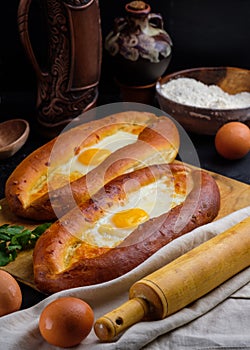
(204, 33)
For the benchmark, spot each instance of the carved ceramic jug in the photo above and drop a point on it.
(140, 47)
(69, 84)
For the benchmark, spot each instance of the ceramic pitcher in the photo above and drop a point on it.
(140, 47)
(69, 84)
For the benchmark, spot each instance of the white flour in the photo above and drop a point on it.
(191, 92)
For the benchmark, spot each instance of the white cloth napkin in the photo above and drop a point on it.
(219, 319)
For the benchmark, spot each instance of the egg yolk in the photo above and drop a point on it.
(93, 156)
(129, 218)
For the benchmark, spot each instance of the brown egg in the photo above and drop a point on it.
(10, 294)
(232, 140)
(66, 321)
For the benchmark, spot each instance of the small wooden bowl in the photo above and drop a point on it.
(204, 120)
(13, 135)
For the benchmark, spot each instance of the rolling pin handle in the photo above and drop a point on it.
(112, 324)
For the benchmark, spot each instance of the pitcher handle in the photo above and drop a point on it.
(22, 21)
(156, 20)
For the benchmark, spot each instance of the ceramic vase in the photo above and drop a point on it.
(139, 47)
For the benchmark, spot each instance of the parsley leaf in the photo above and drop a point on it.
(14, 238)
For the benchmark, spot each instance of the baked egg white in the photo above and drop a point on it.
(83, 162)
(148, 202)
(89, 157)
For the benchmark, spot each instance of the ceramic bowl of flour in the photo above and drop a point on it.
(203, 99)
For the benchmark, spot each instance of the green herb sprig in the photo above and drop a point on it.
(14, 238)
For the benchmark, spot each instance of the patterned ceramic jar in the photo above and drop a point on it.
(139, 45)
(68, 85)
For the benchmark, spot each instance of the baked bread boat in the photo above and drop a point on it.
(71, 168)
(122, 225)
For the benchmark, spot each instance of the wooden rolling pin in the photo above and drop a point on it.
(181, 282)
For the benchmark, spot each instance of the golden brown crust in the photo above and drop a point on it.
(158, 142)
(53, 271)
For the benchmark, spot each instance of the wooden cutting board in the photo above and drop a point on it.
(235, 195)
